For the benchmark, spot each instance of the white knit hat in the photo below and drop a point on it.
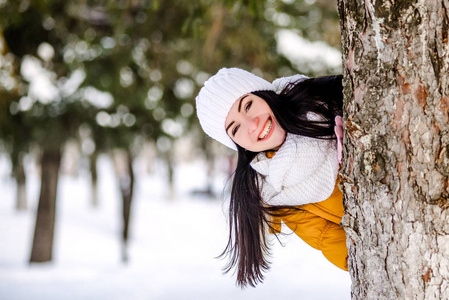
(217, 96)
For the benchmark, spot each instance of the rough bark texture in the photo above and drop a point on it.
(42, 248)
(396, 157)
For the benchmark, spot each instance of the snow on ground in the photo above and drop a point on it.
(172, 249)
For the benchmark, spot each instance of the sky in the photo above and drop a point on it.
(173, 244)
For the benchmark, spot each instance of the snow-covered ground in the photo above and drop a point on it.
(172, 249)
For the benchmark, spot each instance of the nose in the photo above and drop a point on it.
(252, 124)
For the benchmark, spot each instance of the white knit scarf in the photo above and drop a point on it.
(304, 170)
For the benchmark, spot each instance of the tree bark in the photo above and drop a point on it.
(396, 155)
(127, 194)
(20, 176)
(94, 178)
(169, 161)
(45, 220)
(125, 172)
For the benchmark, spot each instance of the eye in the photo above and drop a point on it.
(234, 131)
(248, 105)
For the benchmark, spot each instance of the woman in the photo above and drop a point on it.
(287, 164)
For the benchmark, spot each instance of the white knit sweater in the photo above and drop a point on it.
(304, 170)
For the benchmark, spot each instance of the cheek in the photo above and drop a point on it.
(239, 139)
(281, 133)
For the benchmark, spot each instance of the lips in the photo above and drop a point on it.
(266, 130)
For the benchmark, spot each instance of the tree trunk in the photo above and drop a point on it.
(94, 178)
(20, 176)
(125, 172)
(210, 160)
(396, 158)
(45, 220)
(168, 157)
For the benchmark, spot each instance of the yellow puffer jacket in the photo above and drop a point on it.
(318, 225)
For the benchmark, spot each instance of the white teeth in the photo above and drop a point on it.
(266, 130)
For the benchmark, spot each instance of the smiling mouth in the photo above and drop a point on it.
(266, 130)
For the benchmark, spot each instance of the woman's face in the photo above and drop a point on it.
(252, 125)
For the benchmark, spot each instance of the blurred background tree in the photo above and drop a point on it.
(114, 76)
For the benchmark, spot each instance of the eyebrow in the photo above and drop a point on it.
(240, 106)
(229, 126)
(241, 100)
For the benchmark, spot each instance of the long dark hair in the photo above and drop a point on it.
(249, 218)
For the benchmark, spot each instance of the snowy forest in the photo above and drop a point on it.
(110, 190)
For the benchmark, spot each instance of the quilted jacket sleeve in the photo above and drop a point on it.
(318, 225)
